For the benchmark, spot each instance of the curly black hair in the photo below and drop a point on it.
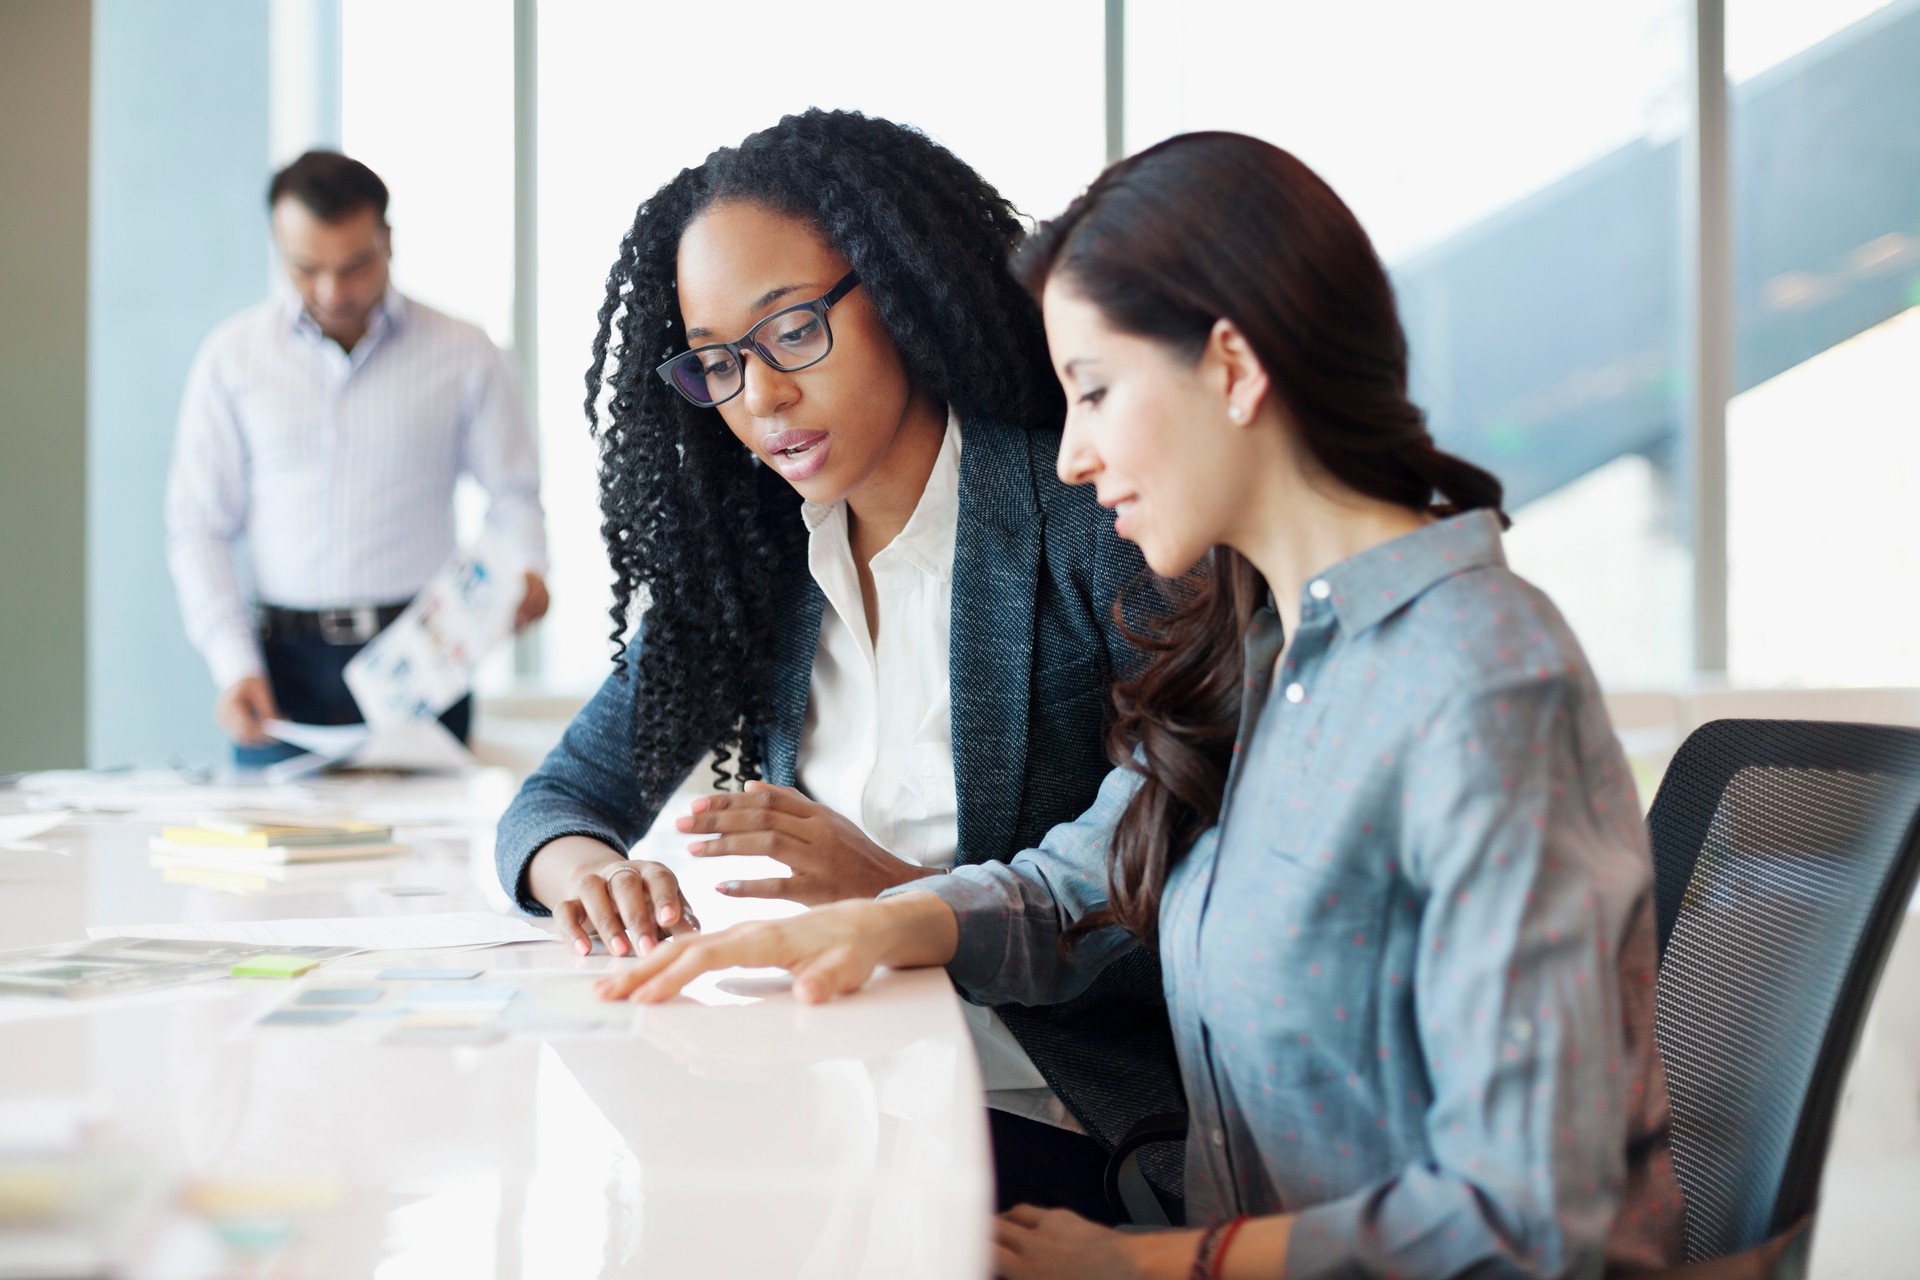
(696, 527)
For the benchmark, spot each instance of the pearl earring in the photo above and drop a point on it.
(1236, 413)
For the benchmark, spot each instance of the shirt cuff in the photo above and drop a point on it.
(520, 839)
(983, 913)
(233, 658)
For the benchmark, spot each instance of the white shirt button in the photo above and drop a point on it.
(1219, 1138)
(1319, 589)
(1296, 692)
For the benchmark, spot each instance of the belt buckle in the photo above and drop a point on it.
(348, 626)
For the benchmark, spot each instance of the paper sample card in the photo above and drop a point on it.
(367, 933)
(339, 995)
(424, 662)
(410, 1007)
(111, 966)
(444, 1037)
(305, 1017)
(427, 975)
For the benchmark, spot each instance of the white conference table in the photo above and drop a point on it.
(736, 1133)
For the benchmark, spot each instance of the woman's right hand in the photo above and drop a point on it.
(831, 950)
(593, 889)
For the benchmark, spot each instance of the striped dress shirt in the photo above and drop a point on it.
(337, 469)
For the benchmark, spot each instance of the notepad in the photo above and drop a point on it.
(268, 855)
(230, 833)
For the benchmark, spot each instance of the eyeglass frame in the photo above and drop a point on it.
(746, 342)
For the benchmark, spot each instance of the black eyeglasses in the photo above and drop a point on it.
(794, 338)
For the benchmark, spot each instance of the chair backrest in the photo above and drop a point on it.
(1784, 858)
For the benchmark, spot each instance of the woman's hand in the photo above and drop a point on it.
(830, 951)
(830, 856)
(1059, 1244)
(592, 888)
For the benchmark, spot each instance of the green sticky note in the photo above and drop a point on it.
(273, 966)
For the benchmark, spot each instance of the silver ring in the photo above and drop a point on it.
(625, 866)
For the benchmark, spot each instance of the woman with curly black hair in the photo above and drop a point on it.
(1383, 838)
(827, 438)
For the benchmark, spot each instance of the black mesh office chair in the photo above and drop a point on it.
(1784, 857)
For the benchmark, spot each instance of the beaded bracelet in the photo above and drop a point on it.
(1213, 1249)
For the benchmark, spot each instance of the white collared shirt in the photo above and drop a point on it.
(338, 469)
(877, 745)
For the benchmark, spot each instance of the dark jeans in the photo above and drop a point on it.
(306, 675)
(1038, 1164)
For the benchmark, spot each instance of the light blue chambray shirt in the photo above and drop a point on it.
(1411, 971)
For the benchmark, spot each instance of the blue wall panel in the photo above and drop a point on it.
(177, 243)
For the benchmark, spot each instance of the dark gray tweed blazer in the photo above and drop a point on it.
(1036, 570)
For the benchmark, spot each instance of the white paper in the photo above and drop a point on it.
(423, 663)
(369, 933)
(18, 827)
(334, 741)
(418, 744)
(423, 745)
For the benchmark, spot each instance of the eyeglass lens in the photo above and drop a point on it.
(787, 340)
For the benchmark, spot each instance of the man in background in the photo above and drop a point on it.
(328, 431)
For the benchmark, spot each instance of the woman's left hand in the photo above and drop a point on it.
(1059, 1244)
(831, 857)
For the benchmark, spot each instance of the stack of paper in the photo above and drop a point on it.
(264, 845)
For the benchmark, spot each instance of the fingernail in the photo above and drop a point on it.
(666, 915)
(683, 824)
(618, 946)
(646, 945)
(699, 806)
(728, 886)
(582, 945)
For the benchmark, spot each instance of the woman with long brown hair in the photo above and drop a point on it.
(1370, 810)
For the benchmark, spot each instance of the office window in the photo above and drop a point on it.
(1517, 166)
(1823, 454)
(426, 101)
(627, 100)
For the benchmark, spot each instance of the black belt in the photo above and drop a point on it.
(356, 624)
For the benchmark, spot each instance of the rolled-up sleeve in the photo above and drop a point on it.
(206, 515)
(1530, 888)
(1012, 914)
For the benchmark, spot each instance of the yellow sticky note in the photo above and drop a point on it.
(274, 966)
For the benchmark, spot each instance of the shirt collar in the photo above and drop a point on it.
(927, 541)
(389, 314)
(1365, 590)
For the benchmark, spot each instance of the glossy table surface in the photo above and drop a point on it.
(732, 1133)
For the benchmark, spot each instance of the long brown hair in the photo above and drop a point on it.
(1202, 227)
